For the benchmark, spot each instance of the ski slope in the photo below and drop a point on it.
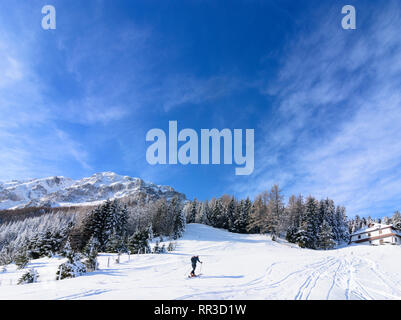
(235, 267)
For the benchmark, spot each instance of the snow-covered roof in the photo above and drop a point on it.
(373, 227)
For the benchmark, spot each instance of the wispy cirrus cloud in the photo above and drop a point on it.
(179, 90)
(336, 126)
(31, 142)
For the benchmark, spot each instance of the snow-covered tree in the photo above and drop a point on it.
(21, 259)
(310, 223)
(242, 216)
(73, 267)
(396, 220)
(178, 218)
(342, 230)
(192, 210)
(91, 253)
(230, 213)
(326, 237)
(138, 242)
(31, 276)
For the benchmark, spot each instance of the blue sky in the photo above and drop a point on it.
(324, 102)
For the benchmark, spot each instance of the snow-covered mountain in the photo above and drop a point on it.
(62, 191)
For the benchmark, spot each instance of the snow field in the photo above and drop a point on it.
(235, 267)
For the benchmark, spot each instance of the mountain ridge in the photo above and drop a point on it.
(60, 191)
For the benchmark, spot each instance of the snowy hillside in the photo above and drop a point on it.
(235, 267)
(61, 191)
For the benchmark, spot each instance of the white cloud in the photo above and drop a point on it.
(184, 89)
(31, 144)
(336, 131)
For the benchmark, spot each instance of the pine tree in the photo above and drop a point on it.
(34, 247)
(396, 220)
(291, 235)
(217, 215)
(295, 212)
(326, 237)
(302, 236)
(334, 220)
(242, 215)
(107, 221)
(67, 251)
(73, 267)
(342, 225)
(246, 213)
(310, 223)
(31, 276)
(138, 242)
(91, 253)
(204, 213)
(150, 232)
(230, 214)
(163, 249)
(161, 212)
(156, 248)
(193, 211)
(178, 218)
(171, 246)
(21, 260)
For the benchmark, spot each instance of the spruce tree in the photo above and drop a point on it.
(217, 216)
(193, 211)
(310, 222)
(91, 253)
(242, 215)
(21, 260)
(31, 276)
(326, 237)
(178, 218)
(342, 225)
(230, 214)
(302, 236)
(73, 267)
(396, 220)
(138, 242)
(204, 213)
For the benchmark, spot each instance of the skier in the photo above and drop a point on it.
(194, 260)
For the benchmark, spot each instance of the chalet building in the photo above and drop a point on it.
(377, 234)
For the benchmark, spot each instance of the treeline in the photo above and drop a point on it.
(24, 213)
(39, 234)
(128, 226)
(359, 223)
(118, 228)
(308, 222)
(79, 236)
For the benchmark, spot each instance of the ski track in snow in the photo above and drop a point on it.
(235, 267)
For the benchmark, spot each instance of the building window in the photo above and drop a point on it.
(359, 236)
